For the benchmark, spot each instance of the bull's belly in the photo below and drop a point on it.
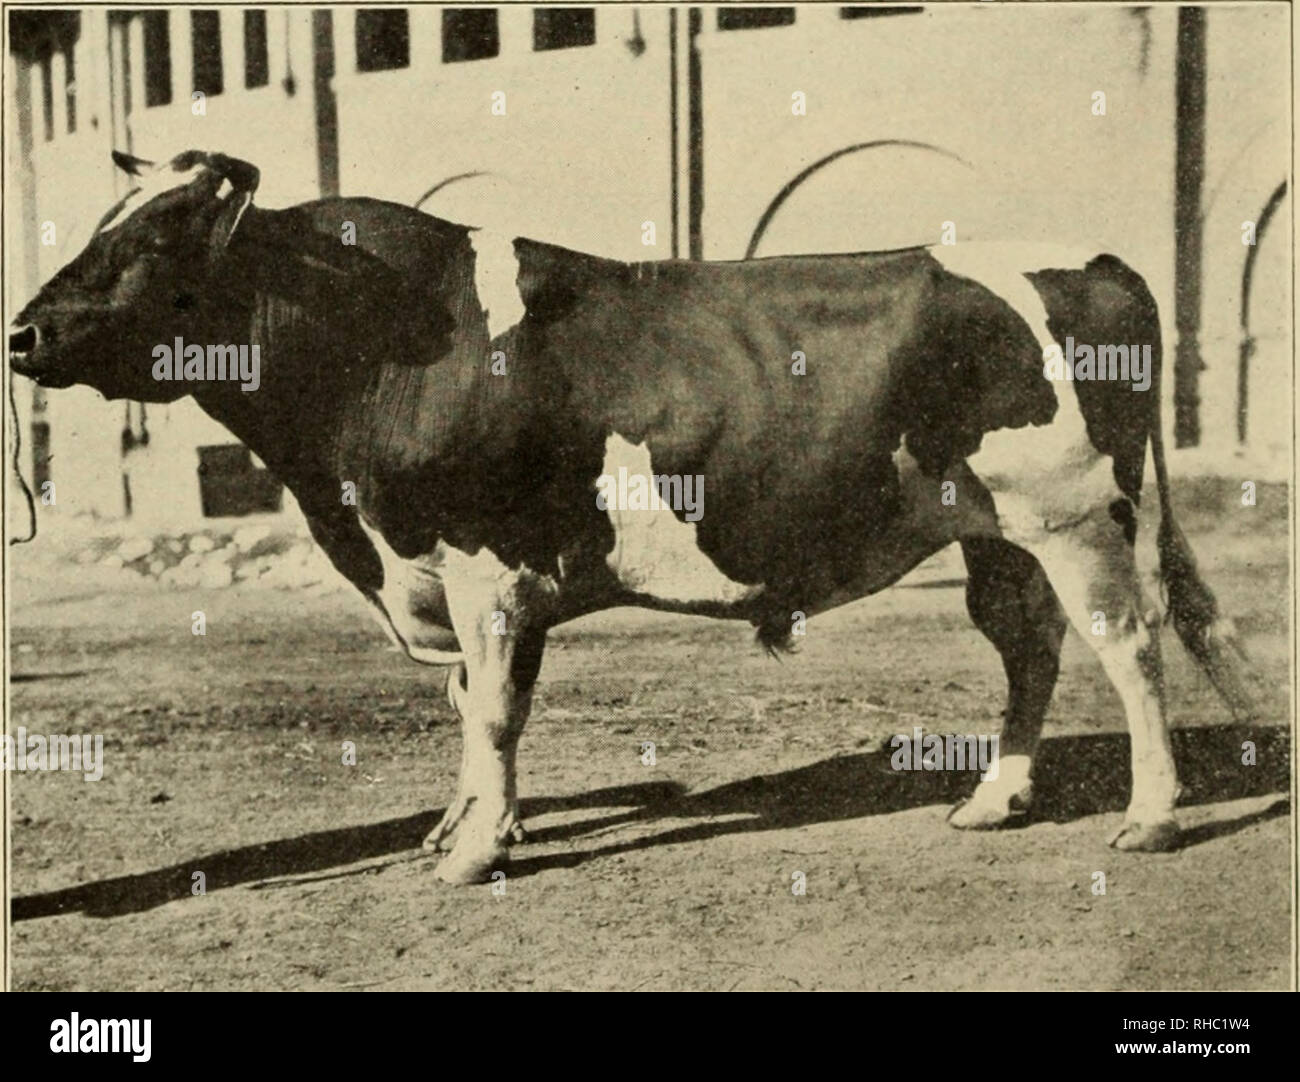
(657, 561)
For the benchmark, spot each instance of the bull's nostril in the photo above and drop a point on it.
(24, 339)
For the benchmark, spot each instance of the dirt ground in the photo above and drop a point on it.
(223, 756)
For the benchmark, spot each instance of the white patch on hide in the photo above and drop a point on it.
(496, 280)
(654, 552)
(1061, 448)
(396, 603)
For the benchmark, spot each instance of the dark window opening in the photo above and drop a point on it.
(32, 34)
(563, 28)
(70, 90)
(47, 97)
(205, 37)
(754, 18)
(157, 59)
(229, 483)
(257, 63)
(871, 13)
(469, 34)
(383, 39)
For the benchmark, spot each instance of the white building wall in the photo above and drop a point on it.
(265, 125)
(580, 158)
(1009, 88)
(583, 157)
(1247, 152)
(74, 182)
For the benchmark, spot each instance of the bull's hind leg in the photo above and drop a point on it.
(1011, 602)
(496, 615)
(1090, 563)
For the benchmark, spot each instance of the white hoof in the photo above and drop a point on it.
(998, 799)
(442, 838)
(1150, 835)
(465, 865)
(990, 806)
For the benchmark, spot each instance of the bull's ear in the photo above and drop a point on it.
(239, 181)
(130, 165)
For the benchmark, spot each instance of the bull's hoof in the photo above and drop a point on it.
(442, 838)
(989, 810)
(1155, 836)
(462, 867)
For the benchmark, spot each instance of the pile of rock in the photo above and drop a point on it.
(213, 559)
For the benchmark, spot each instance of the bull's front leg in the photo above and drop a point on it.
(498, 615)
(441, 837)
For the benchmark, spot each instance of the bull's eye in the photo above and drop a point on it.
(160, 242)
(183, 302)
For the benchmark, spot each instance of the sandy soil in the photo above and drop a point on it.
(223, 756)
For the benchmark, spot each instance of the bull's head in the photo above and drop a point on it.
(147, 276)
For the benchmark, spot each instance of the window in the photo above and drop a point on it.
(871, 13)
(257, 65)
(383, 39)
(157, 59)
(754, 18)
(231, 484)
(205, 36)
(563, 28)
(469, 34)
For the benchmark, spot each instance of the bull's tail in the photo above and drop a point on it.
(1192, 608)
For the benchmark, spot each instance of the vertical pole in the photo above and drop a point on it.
(695, 109)
(232, 52)
(1189, 173)
(135, 66)
(324, 65)
(180, 40)
(118, 67)
(674, 197)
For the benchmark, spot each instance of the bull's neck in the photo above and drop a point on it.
(278, 292)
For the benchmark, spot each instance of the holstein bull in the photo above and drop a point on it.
(476, 390)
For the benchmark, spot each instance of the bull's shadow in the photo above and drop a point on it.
(1076, 776)
(1079, 776)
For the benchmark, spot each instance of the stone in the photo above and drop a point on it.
(247, 538)
(134, 548)
(215, 576)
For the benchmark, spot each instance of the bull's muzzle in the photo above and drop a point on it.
(22, 344)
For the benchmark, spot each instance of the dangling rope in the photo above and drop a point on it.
(18, 444)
